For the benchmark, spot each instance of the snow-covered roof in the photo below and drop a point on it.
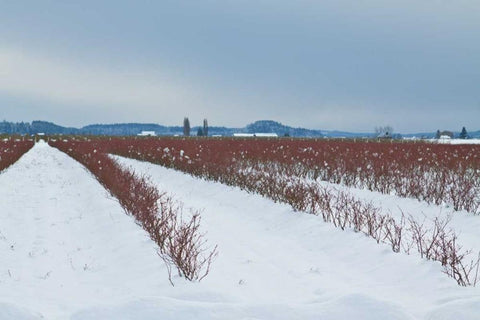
(257, 134)
(147, 133)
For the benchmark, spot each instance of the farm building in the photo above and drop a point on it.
(147, 134)
(253, 135)
(444, 134)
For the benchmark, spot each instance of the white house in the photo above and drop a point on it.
(147, 134)
(257, 134)
(266, 135)
(445, 137)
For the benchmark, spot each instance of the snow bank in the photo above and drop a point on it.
(359, 307)
(456, 141)
(12, 312)
(65, 244)
(466, 224)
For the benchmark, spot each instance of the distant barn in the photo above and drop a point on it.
(444, 134)
(147, 134)
(253, 135)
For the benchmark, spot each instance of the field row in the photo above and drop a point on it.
(71, 252)
(11, 150)
(434, 173)
(435, 242)
(180, 243)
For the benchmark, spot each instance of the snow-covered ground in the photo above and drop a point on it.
(296, 260)
(466, 224)
(68, 251)
(65, 244)
(456, 141)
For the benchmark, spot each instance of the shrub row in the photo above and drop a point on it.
(180, 243)
(11, 150)
(437, 242)
(433, 241)
(434, 173)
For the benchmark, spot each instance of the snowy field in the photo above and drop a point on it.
(70, 252)
(456, 141)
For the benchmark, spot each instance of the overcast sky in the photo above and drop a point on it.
(346, 65)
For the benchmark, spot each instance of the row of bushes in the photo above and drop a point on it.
(11, 150)
(433, 241)
(435, 173)
(177, 235)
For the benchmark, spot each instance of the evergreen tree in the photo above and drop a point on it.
(463, 134)
(186, 127)
(205, 127)
(200, 132)
(438, 134)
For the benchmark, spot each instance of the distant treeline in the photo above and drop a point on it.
(130, 129)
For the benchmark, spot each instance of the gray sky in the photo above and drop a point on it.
(346, 65)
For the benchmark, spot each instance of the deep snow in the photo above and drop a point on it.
(70, 252)
(466, 224)
(66, 245)
(297, 259)
(456, 141)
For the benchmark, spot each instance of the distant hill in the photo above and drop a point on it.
(35, 127)
(269, 126)
(474, 134)
(130, 129)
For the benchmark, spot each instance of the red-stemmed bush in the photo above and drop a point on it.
(11, 150)
(180, 242)
(287, 171)
(435, 173)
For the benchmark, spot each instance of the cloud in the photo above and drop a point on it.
(333, 64)
(56, 89)
(58, 82)
(77, 94)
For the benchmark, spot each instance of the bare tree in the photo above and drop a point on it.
(383, 132)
